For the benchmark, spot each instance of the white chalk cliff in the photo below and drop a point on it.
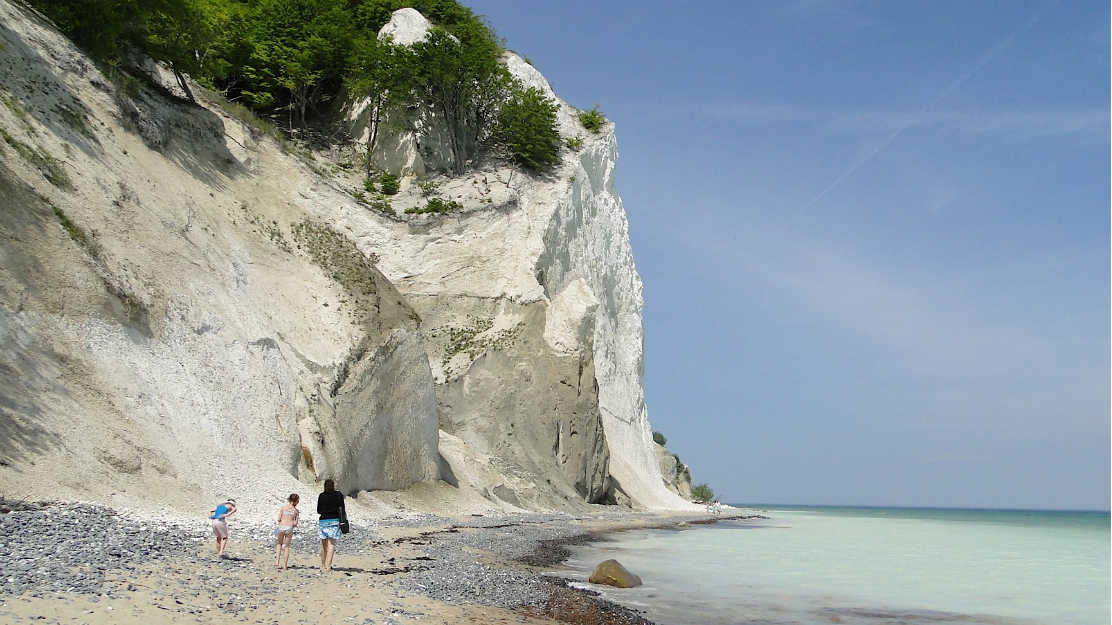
(188, 311)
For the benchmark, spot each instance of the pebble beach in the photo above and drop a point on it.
(87, 563)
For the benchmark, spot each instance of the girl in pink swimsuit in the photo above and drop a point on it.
(287, 520)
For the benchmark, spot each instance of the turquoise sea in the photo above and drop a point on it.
(868, 566)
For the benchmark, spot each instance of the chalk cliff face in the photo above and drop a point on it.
(545, 272)
(187, 311)
(176, 319)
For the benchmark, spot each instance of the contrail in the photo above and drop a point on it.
(973, 69)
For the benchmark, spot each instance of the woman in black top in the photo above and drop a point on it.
(329, 505)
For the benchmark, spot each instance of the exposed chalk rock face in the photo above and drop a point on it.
(587, 240)
(518, 399)
(676, 478)
(187, 312)
(406, 27)
(531, 307)
(177, 320)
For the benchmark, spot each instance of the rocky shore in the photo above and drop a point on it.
(86, 563)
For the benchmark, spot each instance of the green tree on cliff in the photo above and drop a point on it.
(459, 76)
(702, 493)
(527, 127)
(298, 46)
(382, 74)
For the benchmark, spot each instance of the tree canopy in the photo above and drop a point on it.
(702, 493)
(292, 59)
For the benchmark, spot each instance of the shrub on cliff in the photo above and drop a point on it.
(436, 205)
(593, 119)
(389, 184)
(659, 439)
(527, 127)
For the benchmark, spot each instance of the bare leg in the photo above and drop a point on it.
(323, 551)
(278, 550)
(329, 551)
(288, 538)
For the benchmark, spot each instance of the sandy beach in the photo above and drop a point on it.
(83, 563)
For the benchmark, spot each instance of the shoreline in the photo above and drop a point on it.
(86, 563)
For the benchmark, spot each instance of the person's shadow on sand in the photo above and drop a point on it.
(228, 558)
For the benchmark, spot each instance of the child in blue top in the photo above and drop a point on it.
(220, 525)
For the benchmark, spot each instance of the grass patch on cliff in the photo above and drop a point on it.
(472, 340)
(257, 126)
(76, 121)
(344, 262)
(12, 103)
(50, 167)
(83, 239)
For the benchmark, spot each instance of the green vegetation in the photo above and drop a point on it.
(593, 119)
(76, 120)
(702, 493)
(659, 439)
(341, 259)
(382, 203)
(12, 103)
(574, 143)
(458, 73)
(436, 205)
(389, 184)
(429, 188)
(467, 340)
(86, 241)
(292, 61)
(48, 166)
(527, 127)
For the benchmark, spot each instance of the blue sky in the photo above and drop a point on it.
(874, 238)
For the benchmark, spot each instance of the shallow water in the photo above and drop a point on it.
(869, 565)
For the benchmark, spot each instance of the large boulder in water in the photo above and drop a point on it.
(612, 573)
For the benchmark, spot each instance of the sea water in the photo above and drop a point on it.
(868, 566)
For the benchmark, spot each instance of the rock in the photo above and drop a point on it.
(406, 27)
(612, 573)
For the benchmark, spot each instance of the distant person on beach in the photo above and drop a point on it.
(330, 504)
(288, 516)
(717, 507)
(219, 516)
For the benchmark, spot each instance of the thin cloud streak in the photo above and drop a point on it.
(980, 63)
(1034, 123)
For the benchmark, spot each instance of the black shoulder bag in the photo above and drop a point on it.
(344, 526)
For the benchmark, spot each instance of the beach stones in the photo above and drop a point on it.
(612, 573)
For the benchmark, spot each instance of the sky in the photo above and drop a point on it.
(873, 236)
